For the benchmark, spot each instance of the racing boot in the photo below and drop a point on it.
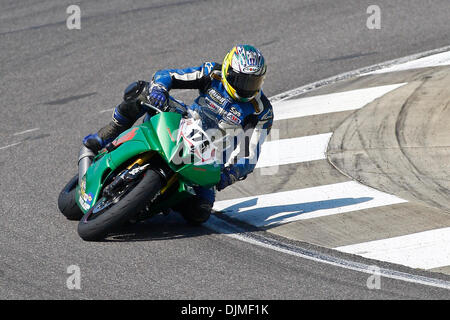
(93, 143)
(97, 141)
(125, 114)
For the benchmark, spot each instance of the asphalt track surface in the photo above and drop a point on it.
(59, 81)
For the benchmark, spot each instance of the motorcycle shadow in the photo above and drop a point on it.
(159, 227)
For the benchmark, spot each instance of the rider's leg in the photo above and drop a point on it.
(197, 209)
(125, 114)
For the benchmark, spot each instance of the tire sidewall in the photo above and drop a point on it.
(119, 213)
(67, 204)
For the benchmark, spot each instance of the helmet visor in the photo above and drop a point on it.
(246, 85)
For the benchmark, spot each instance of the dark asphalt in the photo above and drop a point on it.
(58, 80)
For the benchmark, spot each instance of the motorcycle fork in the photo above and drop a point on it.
(169, 183)
(145, 158)
(132, 172)
(141, 160)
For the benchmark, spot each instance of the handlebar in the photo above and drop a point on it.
(180, 107)
(151, 107)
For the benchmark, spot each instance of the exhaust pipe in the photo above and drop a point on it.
(84, 161)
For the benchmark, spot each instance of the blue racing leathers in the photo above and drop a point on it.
(245, 124)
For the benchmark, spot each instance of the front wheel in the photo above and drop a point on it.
(110, 213)
(66, 201)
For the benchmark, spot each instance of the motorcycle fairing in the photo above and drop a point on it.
(158, 135)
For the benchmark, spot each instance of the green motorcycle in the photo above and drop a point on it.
(145, 171)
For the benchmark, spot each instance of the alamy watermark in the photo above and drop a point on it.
(73, 282)
(374, 281)
(374, 19)
(73, 21)
(225, 146)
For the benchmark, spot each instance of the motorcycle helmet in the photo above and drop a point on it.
(243, 72)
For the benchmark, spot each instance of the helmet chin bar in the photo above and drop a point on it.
(233, 94)
(242, 99)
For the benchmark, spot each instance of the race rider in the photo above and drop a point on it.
(230, 92)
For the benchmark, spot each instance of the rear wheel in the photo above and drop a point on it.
(109, 213)
(194, 210)
(66, 201)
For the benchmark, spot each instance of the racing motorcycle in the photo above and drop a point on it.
(145, 171)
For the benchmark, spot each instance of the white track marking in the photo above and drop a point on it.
(26, 131)
(347, 75)
(234, 232)
(294, 150)
(223, 227)
(424, 250)
(440, 59)
(334, 102)
(301, 204)
(106, 110)
(10, 145)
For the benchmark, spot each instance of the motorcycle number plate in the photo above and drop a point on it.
(198, 141)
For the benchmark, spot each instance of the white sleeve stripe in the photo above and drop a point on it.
(187, 76)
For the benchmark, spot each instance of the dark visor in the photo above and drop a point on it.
(246, 85)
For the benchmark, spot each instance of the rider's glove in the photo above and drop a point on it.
(158, 96)
(227, 177)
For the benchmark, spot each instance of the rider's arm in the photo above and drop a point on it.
(188, 78)
(244, 158)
